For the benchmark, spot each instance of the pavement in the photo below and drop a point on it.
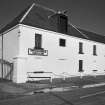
(72, 91)
(87, 96)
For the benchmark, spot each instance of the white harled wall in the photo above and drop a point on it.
(59, 59)
(0, 53)
(10, 44)
(0, 46)
(10, 49)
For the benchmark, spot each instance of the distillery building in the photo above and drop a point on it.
(41, 42)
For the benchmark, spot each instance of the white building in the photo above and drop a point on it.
(41, 40)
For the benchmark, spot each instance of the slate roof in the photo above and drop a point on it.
(38, 16)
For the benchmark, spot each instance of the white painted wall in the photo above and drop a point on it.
(53, 62)
(11, 44)
(10, 49)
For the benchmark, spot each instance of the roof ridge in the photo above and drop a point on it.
(27, 12)
(46, 8)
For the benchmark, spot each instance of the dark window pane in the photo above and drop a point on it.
(80, 48)
(38, 41)
(80, 65)
(94, 50)
(62, 42)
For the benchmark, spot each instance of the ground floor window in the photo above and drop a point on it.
(80, 65)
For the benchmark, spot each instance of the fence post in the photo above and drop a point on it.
(11, 71)
(81, 75)
(51, 79)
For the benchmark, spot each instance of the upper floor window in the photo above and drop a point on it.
(38, 41)
(94, 50)
(81, 48)
(62, 42)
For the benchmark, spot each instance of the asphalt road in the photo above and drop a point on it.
(88, 96)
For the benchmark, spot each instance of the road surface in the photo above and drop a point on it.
(87, 96)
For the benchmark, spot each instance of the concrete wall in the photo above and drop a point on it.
(59, 59)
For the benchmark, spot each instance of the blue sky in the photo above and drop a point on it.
(85, 14)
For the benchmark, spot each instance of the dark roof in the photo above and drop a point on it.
(14, 22)
(38, 16)
(93, 36)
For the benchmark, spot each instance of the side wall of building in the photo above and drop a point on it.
(11, 44)
(0, 53)
(59, 59)
(10, 48)
(0, 47)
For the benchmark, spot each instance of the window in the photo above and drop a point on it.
(80, 65)
(38, 41)
(81, 48)
(62, 42)
(94, 50)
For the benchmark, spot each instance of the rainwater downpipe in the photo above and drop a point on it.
(2, 56)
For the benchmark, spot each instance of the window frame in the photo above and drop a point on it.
(80, 66)
(38, 41)
(62, 42)
(81, 48)
(94, 50)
